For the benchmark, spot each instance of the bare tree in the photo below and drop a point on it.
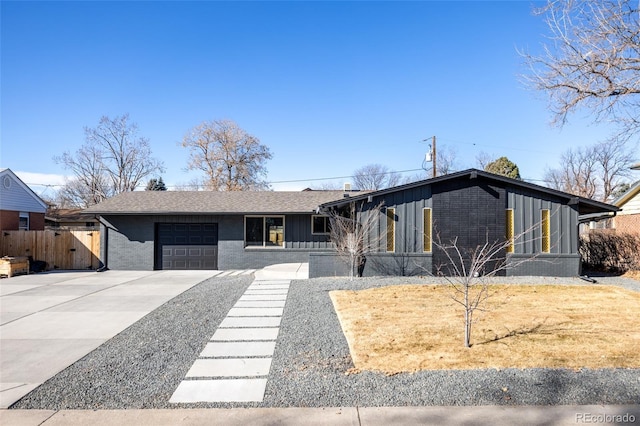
(374, 177)
(577, 173)
(468, 276)
(615, 160)
(352, 233)
(113, 159)
(595, 171)
(231, 159)
(483, 159)
(447, 160)
(89, 185)
(468, 271)
(327, 186)
(592, 61)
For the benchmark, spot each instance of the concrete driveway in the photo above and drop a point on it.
(50, 320)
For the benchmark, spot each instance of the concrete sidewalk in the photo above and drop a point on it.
(49, 321)
(368, 416)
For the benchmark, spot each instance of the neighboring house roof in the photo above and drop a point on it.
(69, 216)
(15, 195)
(627, 196)
(214, 202)
(585, 205)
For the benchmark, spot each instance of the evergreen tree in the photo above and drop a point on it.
(503, 166)
(156, 185)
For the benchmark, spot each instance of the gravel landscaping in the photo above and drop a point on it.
(143, 365)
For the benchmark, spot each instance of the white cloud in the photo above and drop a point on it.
(41, 179)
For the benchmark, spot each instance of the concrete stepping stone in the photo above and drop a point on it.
(260, 304)
(233, 367)
(248, 297)
(220, 390)
(238, 349)
(242, 334)
(232, 322)
(267, 291)
(255, 312)
(234, 364)
(267, 286)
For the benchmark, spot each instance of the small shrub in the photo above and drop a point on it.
(610, 252)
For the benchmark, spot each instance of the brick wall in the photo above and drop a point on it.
(629, 223)
(10, 221)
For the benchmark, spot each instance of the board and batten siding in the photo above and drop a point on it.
(409, 205)
(527, 213)
(297, 234)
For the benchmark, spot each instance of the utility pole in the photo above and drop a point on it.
(430, 156)
(433, 154)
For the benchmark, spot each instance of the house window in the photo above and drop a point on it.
(391, 229)
(320, 225)
(264, 231)
(545, 224)
(509, 230)
(23, 224)
(427, 230)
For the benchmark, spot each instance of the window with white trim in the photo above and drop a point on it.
(264, 231)
(23, 223)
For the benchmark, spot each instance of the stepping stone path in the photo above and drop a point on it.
(234, 365)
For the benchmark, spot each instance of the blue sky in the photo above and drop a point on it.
(327, 86)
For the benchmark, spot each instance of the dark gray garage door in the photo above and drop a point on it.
(187, 246)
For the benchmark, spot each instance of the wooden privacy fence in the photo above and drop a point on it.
(63, 249)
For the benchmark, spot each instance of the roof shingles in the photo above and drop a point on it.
(213, 202)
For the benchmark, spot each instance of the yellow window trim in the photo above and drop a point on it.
(427, 229)
(545, 223)
(510, 230)
(391, 229)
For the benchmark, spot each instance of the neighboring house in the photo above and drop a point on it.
(20, 207)
(70, 219)
(231, 230)
(628, 218)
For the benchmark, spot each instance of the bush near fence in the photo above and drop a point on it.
(610, 251)
(61, 249)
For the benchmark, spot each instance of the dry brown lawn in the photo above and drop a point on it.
(407, 328)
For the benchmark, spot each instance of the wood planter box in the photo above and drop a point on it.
(11, 266)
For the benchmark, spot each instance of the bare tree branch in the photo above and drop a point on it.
(112, 160)
(591, 61)
(231, 159)
(374, 177)
(353, 234)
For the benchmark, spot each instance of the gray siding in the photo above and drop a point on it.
(330, 264)
(527, 209)
(131, 241)
(467, 209)
(409, 205)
